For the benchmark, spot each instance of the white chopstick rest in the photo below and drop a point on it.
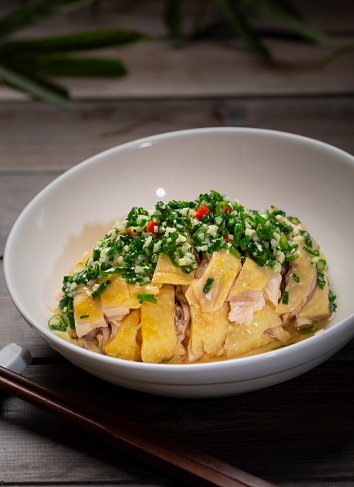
(15, 357)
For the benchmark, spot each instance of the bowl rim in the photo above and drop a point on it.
(49, 336)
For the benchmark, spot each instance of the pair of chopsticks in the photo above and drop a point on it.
(165, 454)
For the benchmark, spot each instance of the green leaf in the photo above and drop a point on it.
(33, 12)
(35, 86)
(340, 51)
(173, 16)
(70, 66)
(283, 12)
(73, 42)
(275, 7)
(240, 25)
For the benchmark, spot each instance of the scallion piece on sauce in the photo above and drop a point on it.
(312, 252)
(100, 289)
(207, 285)
(150, 298)
(84, 316)
(295, 277)
(285, 299)
(321, 280)
(57, 323)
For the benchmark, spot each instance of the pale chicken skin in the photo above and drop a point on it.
(195, 281)
(252, 289)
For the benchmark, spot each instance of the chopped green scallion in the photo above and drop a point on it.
(57, 323)
(150, 298)
(207, 285)
(100, 289)
(295, 277)
(316, 252)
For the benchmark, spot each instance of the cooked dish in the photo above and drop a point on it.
(196, 281)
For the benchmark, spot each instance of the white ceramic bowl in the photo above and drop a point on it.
(304, 177)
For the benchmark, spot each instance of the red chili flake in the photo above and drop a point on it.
(201, 211)
(151, 226)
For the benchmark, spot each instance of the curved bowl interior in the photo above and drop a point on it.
(306, 178)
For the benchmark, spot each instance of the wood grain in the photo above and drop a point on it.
(208, 69)
(59, 140)
(217, 67)
(286, 442)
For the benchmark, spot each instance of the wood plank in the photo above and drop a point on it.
(289, 444)
(58, 140)
(16, 190)
(147, 16)
(209, 69)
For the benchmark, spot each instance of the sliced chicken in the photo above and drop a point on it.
(167, 273)
(89, 345)
(88, 312)
(299, 289)
(222, 271)
(159, 338)
(115, 298)
(254, 287)
(208, 332)
(278, 333)
(182, 315)
(241, 339)
(124, 344)
(103, 337)
(135, 289)
(316, 309)
(182, 321)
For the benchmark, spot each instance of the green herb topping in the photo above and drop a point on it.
(100, 289)
(57, 323)
(146, 297)
(295, 277)
(207, 285)
(187, 231)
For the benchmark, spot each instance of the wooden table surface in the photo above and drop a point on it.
(299, 433)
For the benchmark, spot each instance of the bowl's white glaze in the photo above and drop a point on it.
(304, 177)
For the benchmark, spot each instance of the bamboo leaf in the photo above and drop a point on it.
(283, 12)
(70, 66)
(340, 51)
(35, 86)
(173, 16)
(35, 11)
(281, 7)
(240, 25)
(73, 42)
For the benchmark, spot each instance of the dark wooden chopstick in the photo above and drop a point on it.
(170, 456)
